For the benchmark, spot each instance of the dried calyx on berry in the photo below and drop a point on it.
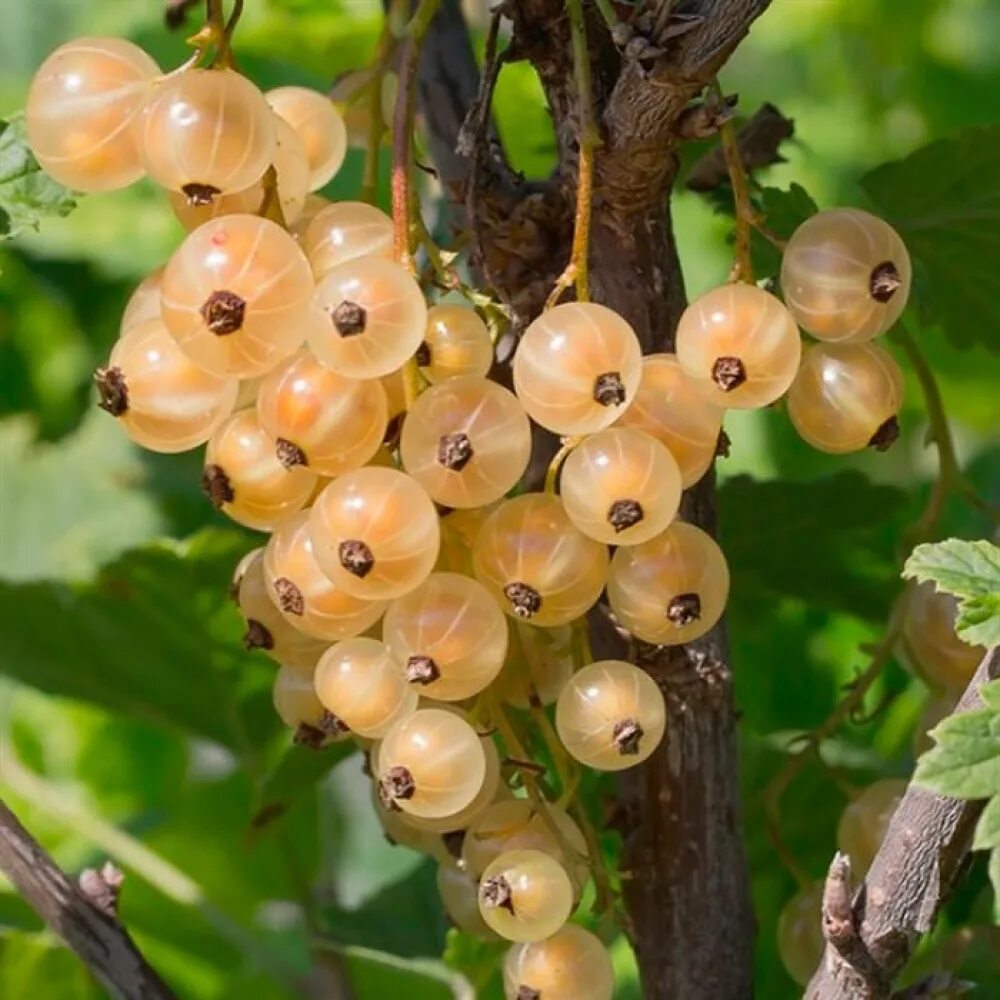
(454, 451)
(524, 600)
(113, 390)
(496, 892)
(609, 390)
(627, 735)
(216, 486)
(624, 514)
(421, 670)
(288, 597)
(356, 557)
(885, 281)
(397, 784)
(199, 195)
(290, 454)
(257, 636)
(349, 318)
(885, 437)
(729, 373)
(223, 312)
(684, 609)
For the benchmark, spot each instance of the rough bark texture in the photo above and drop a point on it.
(688, 901)
(83, 921)
(922, 854)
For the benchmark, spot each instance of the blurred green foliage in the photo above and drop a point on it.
(132, 725)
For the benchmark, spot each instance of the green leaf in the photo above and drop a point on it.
(404, 917)
(781, 539)
(970, 571)
(154, 637)
(944, 199)
(988, 828)
(27, 193)
(990, 693)
(965, 764)
(296, 773)
(978, 620)
(70, 506)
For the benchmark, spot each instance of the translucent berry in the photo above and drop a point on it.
(864, 821)
(298, 708)
(291, 168)
(537, 565)
(930, 644)
(800, 933)
(319, 126)
(538, 666)
(375, 533)
(572, 964)
(448, 637)
(491, 790)
(326, 421)
(671, 589)
(80, 111)
(610, 715)
(314, 204)
(266, 629)
(374, 318)
(516, 825)
(431, 763)
(525, 895)
(845, 275)
(237, 295)
(346, 231)
(459, 893)
(669, 408)
(739, 346)
(466, 441)
(308, 599)
(162, 399)
(620, 486)
(846, 397)
(456, 343)
(244, 478)
(577, 368)
(144, 302)
(207, 132)
(359, 683)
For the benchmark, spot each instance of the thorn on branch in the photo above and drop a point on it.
(102, 887)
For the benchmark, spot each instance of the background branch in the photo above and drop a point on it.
(922, 854)
(89, 928)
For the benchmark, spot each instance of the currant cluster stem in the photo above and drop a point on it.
(576, 272)
(745, 214)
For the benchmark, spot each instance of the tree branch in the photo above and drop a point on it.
(84, 920)
(921, 856)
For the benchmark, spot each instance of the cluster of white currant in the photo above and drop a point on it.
(403, 594)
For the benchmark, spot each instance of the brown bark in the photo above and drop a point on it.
(688, 899)
(872, 932)
(85, 921)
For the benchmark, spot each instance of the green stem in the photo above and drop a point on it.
(607, 12)
(742, 207)
(148, 865)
